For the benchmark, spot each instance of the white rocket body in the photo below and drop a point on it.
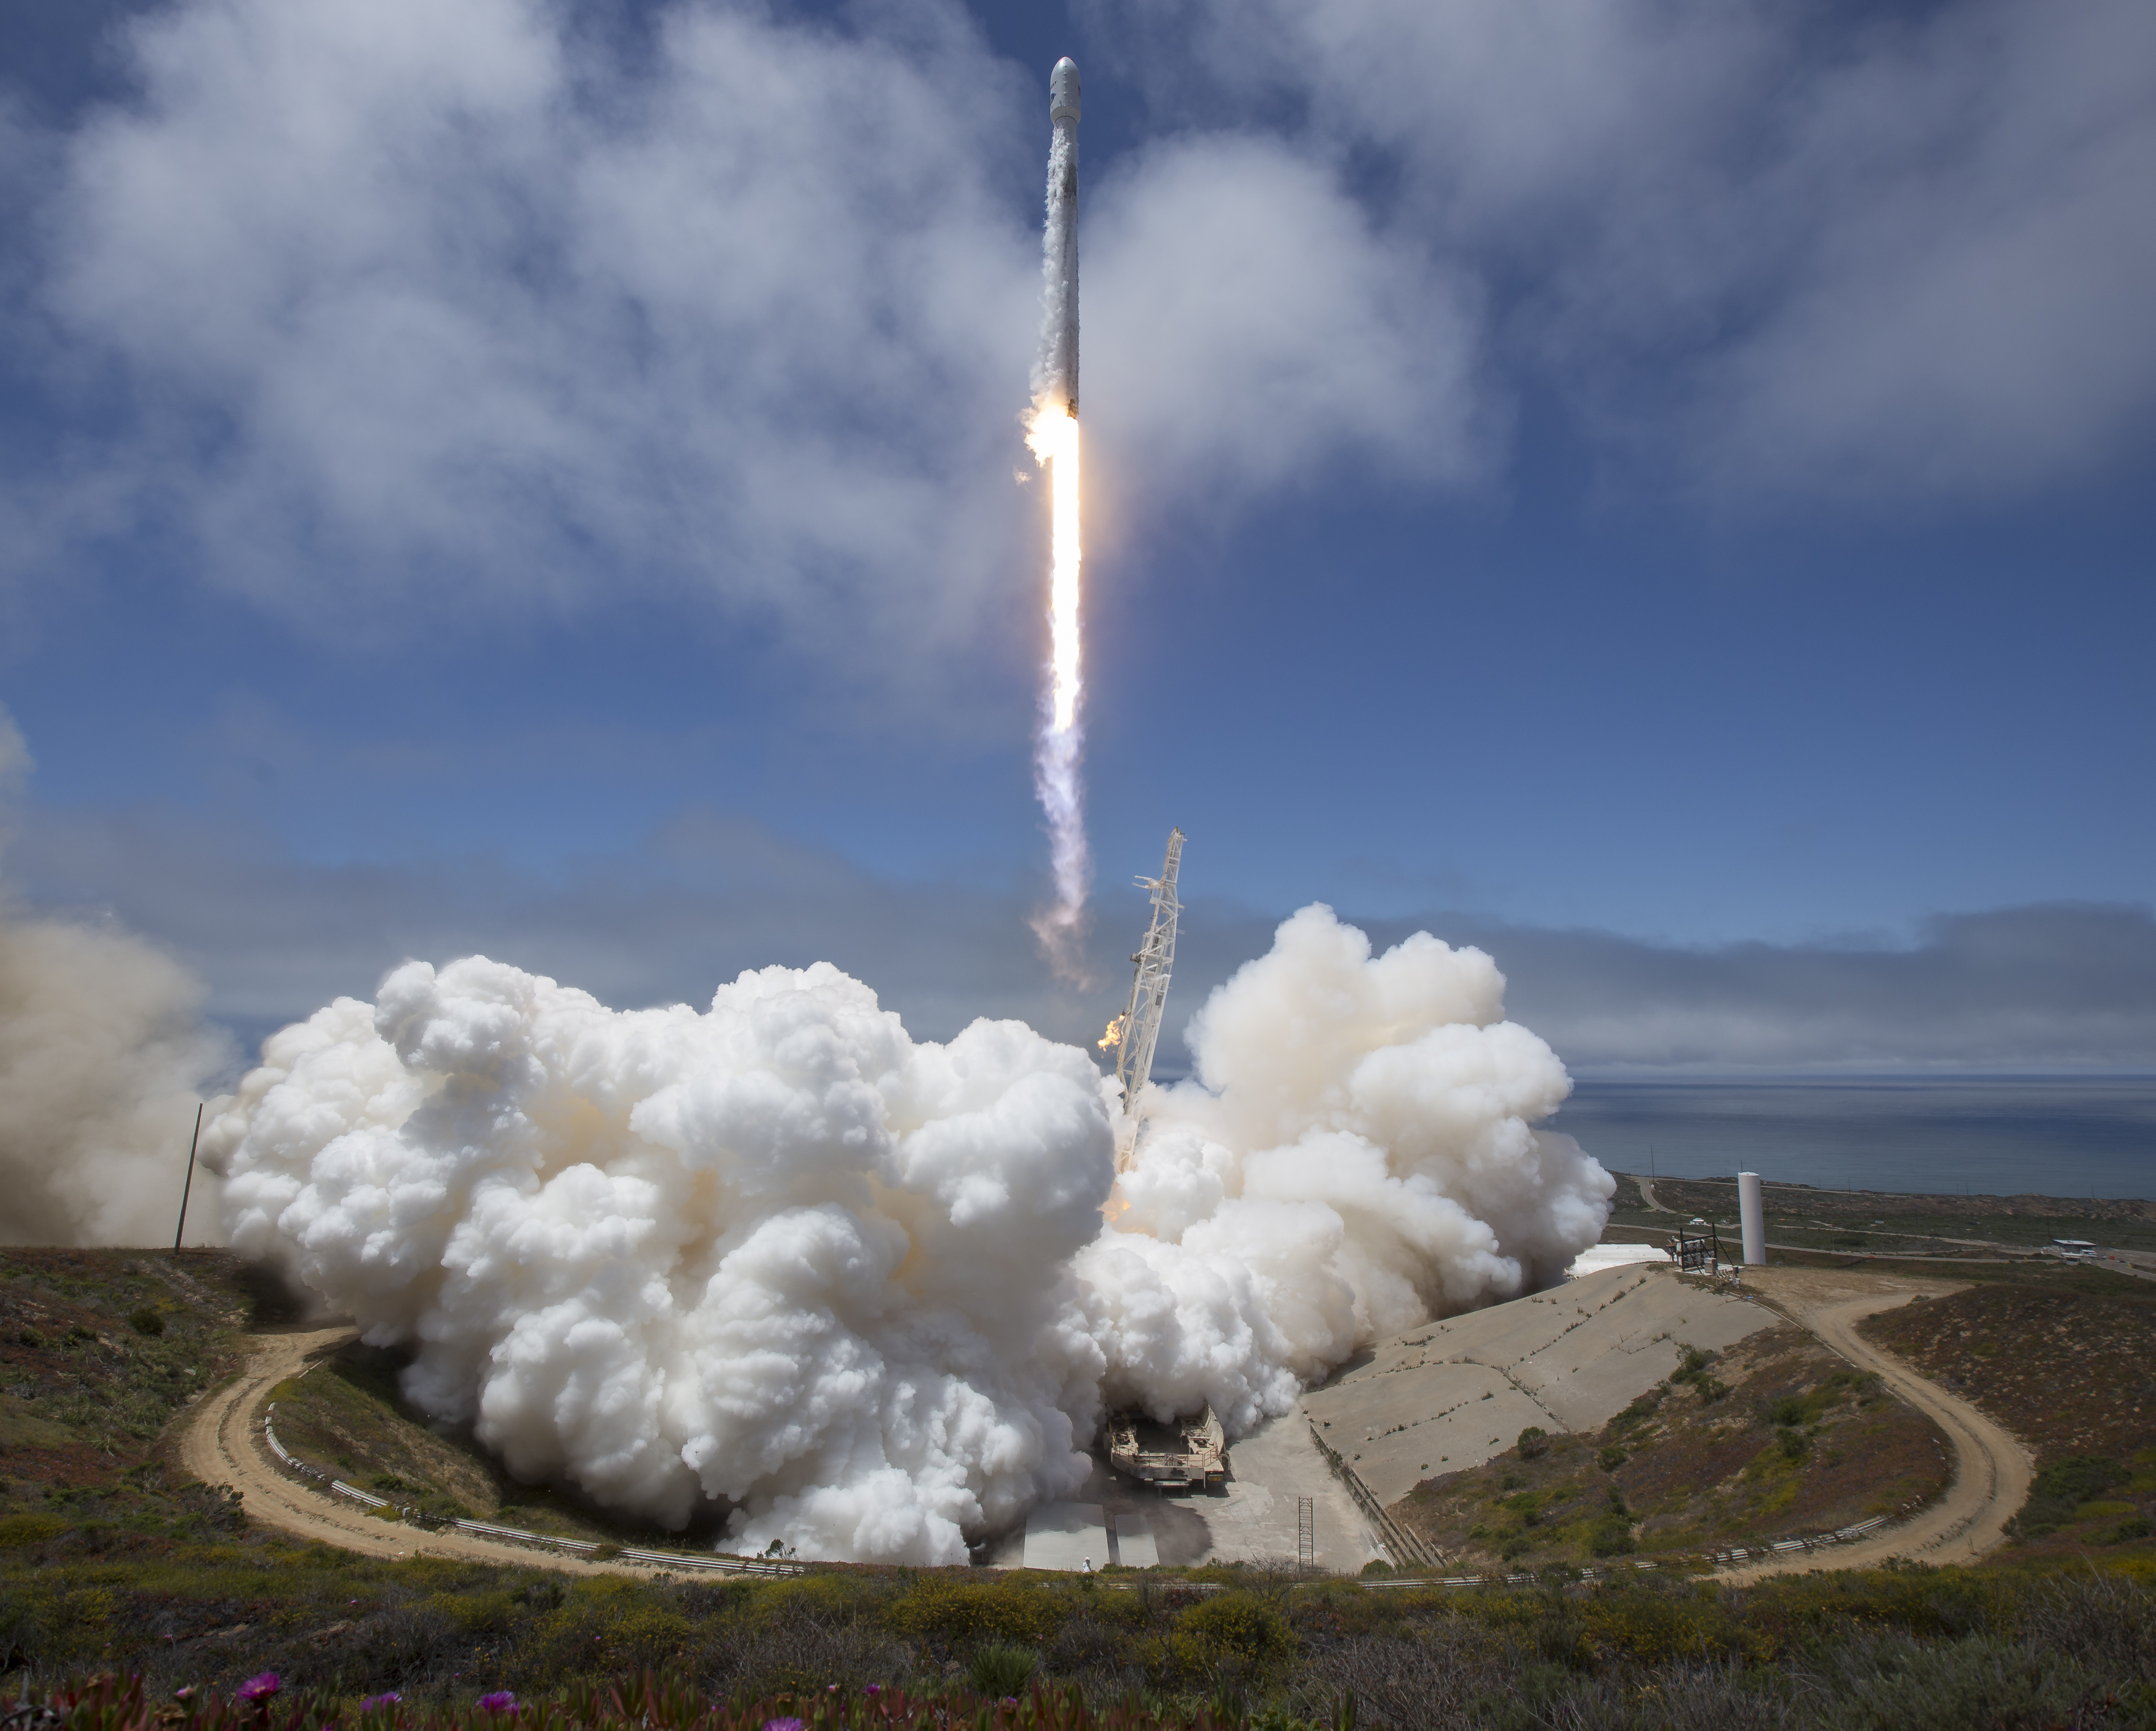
(1751, 1219)
(1059, 380)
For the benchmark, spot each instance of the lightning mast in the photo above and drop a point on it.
(1138, 1032)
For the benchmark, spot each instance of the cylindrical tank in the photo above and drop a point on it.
(1752, 1218)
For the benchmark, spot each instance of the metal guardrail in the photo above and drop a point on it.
(1408, 1543)
(709, 1563)
(1409, 1546)
(1735, 1553)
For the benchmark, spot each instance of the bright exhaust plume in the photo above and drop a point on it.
(1058, 751)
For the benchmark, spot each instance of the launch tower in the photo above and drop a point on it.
(1140, 1027)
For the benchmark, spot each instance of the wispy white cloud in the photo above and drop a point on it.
(387, 312)
(1243, 315)
(1815, 252)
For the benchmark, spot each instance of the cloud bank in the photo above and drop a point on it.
(2061, 985)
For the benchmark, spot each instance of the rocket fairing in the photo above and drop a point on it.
(1060, 381)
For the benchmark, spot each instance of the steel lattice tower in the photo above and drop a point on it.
(1140, 1026)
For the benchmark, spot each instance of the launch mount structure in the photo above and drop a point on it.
(1154, 961)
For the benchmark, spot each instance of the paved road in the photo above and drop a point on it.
(221, 1445)
(1991, 1469)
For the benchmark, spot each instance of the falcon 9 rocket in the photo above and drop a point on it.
(1053, 434)
(1060, 349)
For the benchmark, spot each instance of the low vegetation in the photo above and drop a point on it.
(112, 1564)
(1877, 1219)
(1776, 1437)
(2072, 1375)
(347, 1415)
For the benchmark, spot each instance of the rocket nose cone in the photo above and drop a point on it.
(1063, 90)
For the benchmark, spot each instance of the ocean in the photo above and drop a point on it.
(1998, 1135)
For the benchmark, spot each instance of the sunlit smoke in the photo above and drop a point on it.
(102, 1052)
(1054, 437)
(779, 1262)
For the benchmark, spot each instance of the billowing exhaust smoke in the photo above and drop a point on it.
(101, 1052)
(871, 1292)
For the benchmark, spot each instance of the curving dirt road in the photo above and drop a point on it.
(1991, 1469)
(222, 1444)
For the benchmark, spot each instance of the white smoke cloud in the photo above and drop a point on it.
(101, 1054)
(779, 1253)
(1354, 1153)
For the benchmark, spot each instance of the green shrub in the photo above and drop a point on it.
(1638, 1413)
(2133, 1527)
(1793, 1443)
(1654, 1625)
(1001, 1669)
(146, 1321)
(1017, 1612)
(1240, 1622)
(1534, 1442)
(2080, 1477)
(2062, 1487)
(18, 1531)
(1611, 1537)
(1611, 1458)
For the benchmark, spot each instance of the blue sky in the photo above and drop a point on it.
(1661, 490)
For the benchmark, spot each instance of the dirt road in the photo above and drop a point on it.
(221, 1445)
(1991, 1469)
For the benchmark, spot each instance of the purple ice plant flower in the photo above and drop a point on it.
(388, 1697)
(782, 1725)
(186, 1691)
(501, 1701)
(876, 1689)
(261, 1687)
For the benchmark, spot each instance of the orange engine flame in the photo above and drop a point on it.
(1114, 1037)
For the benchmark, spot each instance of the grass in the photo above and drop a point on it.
(2073, 1375)
(1776, 1437)
(109, 1562)
(347, 1415)
(1258, 1652)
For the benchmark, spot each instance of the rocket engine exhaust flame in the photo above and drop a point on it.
(1113, 1037)
(1052, 436)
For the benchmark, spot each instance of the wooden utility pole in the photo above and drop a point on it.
(180, 1230)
